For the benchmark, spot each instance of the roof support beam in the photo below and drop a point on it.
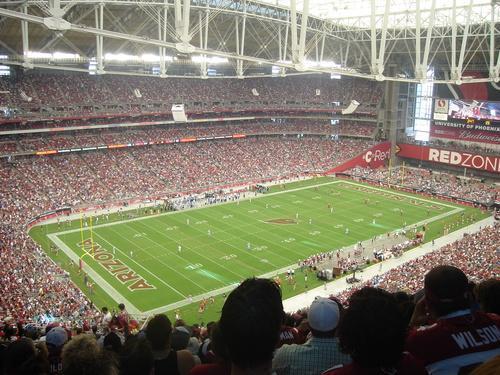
(322, 47)
(162, 35)
(373, 40)
(418, 20)
(494, 70)
(55, 8)
(381, 52)
(285, 45)
(421, 71)
(55, 38)
(203, 63)
(25, 37)
(454, 41)
(99, 24)
(465, 36)
(240, 47)
(182, 13)
(303, 31)
(293, 25)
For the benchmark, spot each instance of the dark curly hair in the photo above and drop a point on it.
(373, 329)
(250, 323)
(158, 332)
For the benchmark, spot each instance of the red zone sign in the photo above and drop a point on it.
(457, 158)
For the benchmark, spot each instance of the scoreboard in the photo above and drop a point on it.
(473, 113)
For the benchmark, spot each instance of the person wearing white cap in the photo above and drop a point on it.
(318, 353)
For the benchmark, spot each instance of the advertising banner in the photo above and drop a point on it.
(375, 157)
(456, 158)
(464, 132)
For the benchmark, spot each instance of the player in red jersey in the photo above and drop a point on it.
(459, 339)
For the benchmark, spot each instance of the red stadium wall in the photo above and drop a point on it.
(374, 157)
(463, 159)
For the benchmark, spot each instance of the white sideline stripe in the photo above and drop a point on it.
(258, 197)
(198, 208)
(115, 294)
(112, 292)
(397, 193)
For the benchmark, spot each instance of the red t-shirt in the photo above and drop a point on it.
(288, 335)
(211, 369)
(456, 343)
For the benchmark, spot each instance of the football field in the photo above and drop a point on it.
(161, 262)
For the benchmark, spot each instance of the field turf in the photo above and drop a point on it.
(170, 261)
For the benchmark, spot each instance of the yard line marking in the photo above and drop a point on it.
(209, 293)
(388, 190)
(141, 266)
(202, 207)
(190, 249)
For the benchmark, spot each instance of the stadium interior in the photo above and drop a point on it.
(249, 187)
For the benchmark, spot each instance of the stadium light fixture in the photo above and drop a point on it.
(209, 59)
(35, 55)
(144, 58)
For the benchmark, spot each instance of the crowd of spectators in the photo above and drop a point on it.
(157, 134)
(32, 185)
(476, 254)
(56, 90)
(448, 325)
(33, 286)
(432, 182)
(37, 184)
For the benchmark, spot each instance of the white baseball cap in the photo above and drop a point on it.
(323, 315)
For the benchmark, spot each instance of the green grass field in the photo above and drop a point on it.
(139, 261)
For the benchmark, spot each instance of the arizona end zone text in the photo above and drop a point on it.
(465, 159)
(115, 267)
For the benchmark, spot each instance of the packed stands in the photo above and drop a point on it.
(432, 182)
(74, 91)
(73, 179)
(118, 135)
(476, 255)
(32, 185)
(311, 330)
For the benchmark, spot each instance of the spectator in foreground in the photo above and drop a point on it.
(82, 356)
(22, 357)
(459, 339)
(137, 357)
(166, 360)
(55, 339)
(488, 296)
(373, 332)
(321, 351)
(250, 325)
(213, 353)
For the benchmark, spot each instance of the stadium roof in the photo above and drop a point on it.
(375, 39)
(401, 13)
